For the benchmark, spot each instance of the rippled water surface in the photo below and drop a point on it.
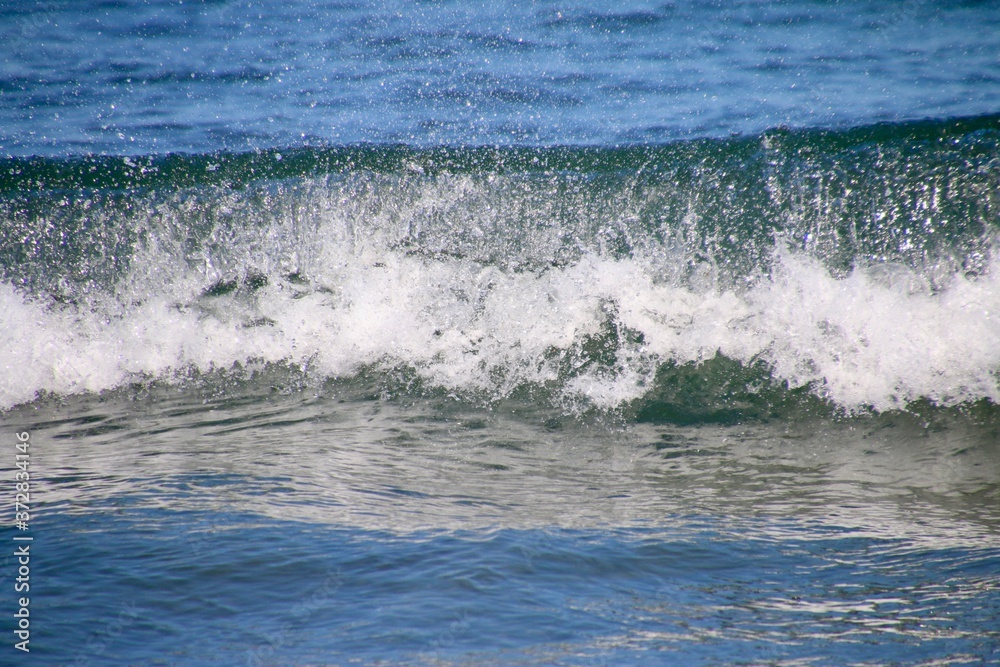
(139, 77)
(525, 334)
(260, 528)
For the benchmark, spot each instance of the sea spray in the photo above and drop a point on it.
(867, 282)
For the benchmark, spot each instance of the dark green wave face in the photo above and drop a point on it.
(711, 280)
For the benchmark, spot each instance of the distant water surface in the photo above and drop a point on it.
(141, 77)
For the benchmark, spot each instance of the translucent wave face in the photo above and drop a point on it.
(864, 277)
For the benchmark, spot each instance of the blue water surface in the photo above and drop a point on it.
(142, 76)
(196, 589)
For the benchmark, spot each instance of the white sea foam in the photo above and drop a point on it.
(876, 338)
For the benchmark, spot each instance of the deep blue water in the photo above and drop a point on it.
(513, 334)
(158, 77)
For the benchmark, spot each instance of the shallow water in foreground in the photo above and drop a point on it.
(338, 525)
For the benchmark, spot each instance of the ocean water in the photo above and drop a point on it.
(527, 333)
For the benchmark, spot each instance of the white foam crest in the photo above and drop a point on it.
(873, 339)
(65, 351)
(880, 338)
